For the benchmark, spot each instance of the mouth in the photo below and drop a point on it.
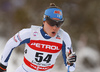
(53, 32)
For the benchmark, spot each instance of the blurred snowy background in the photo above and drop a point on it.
(82, 22)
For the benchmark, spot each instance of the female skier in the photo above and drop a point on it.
(42, 44)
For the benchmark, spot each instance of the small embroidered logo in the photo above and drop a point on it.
(58, 37)
(35, 33)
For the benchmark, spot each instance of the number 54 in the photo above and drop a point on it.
(39, 57)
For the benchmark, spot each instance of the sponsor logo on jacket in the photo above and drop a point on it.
(45, 46)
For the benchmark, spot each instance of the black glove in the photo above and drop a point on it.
(2, 68)
(71, 58)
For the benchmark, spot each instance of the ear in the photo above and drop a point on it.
(43, 22)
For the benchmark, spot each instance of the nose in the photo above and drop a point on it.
(54, 27)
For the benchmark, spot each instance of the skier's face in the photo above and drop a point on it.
(50, 30)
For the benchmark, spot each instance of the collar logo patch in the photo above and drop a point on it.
(58, 37)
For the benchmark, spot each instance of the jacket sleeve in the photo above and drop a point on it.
(66, 49)
(19, 38)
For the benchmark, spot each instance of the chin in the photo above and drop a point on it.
(52, 35)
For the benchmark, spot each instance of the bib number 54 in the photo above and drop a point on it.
(39, 57)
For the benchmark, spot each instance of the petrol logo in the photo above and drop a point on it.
(45, 46)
